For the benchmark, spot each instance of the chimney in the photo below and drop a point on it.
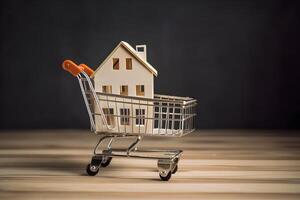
(141, 50)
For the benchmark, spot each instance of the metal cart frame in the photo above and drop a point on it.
(170, 116)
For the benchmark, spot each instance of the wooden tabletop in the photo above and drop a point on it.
(216, 164)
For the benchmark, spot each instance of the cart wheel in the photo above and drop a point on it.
(165, 177)
(175, 169)
(106, 162)
(91, 172)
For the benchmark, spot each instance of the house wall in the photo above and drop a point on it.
(139, 75)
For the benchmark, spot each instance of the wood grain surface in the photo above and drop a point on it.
(216, 164)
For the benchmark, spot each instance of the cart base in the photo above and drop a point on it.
(167, 159)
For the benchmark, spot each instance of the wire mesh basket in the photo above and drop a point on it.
(160, 116)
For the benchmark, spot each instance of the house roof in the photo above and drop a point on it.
(131, 50)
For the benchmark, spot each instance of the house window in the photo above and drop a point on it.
(124, 90)
(109, 115)
(140, 49)
(107, 89)
(116, 64)
(128, 63)
(140, 90)
(124, 119)
(140, 116)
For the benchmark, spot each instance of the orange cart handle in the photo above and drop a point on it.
(71, 67)
(87, 69)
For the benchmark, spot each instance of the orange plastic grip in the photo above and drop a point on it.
(71, 67)
(87, 69)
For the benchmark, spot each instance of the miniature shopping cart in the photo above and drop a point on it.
(165, 116)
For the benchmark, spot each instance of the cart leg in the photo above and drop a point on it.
(106, 159)
(100, 159)
(100, 142)
(134, 145)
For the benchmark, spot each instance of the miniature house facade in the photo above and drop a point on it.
(125, 72)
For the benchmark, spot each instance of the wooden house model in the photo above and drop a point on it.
(125, 72)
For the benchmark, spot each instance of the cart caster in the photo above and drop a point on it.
(92, 170)
(165, 177)
(175, 169)
(106, 162)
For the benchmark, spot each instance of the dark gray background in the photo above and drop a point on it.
(240, 59)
